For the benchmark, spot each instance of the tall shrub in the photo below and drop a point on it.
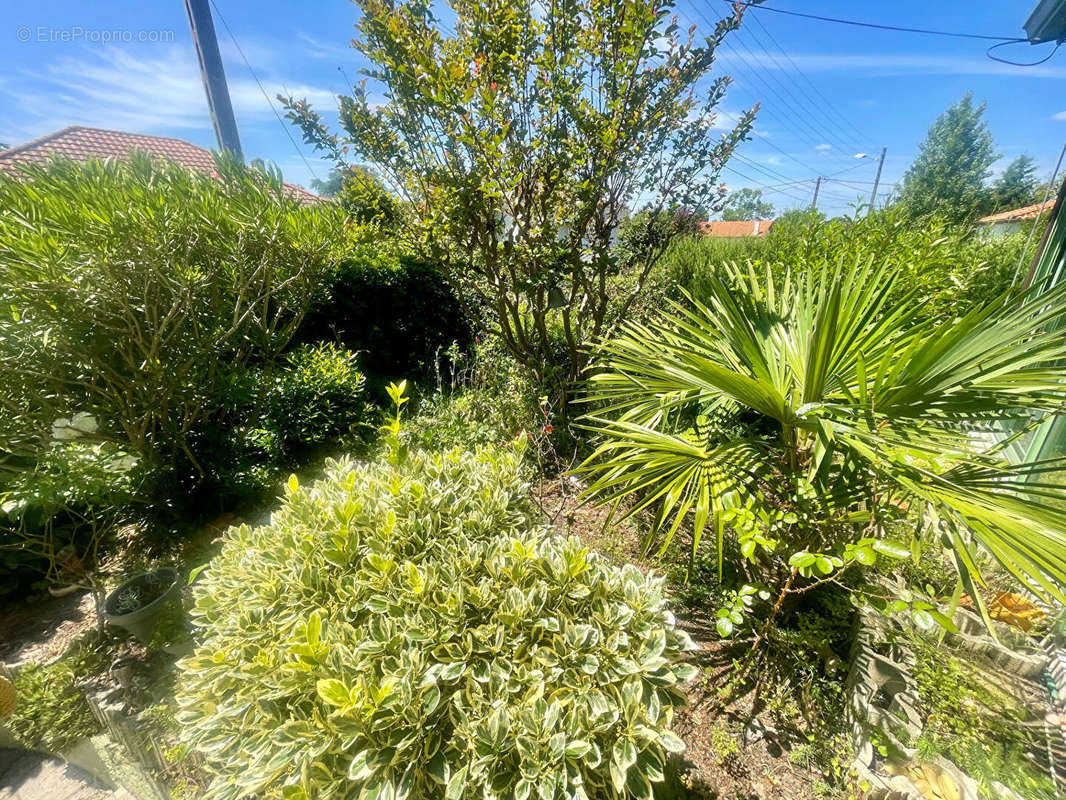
(131, 289)
(524, 138)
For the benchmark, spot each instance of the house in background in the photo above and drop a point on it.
(1008, 222)
(80, 143)
(721, 229)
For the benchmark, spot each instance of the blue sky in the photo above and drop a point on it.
(827, 91)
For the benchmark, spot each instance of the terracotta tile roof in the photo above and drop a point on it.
(1018, 214)
(80, 143)
(736, 230)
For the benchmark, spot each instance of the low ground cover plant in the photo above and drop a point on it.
(51, 712)
(971, 719)
(403, 629)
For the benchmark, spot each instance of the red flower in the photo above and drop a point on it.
(549, 428)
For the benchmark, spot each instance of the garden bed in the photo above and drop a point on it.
(733, 752)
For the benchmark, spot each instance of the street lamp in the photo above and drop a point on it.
(877, 180)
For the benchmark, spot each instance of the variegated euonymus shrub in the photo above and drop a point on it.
(406, 630)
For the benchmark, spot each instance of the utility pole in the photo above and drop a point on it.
(218, 102)
(817, 187)
(877, 181)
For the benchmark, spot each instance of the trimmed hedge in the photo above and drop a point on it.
(397, 312)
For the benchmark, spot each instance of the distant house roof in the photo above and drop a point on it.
(80, 143)
(736, 230)
(1018, 214)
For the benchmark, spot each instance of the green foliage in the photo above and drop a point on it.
(130, 289)
(394, 310)
(316, 397)
(72, 494)
(947, 177)
(976, 723)
(1016, 187)
(950, 267)
(330, 186)
(490, 400)
(51, 712)
(830, 415)
(521, 174)
(363, 196)
(404, 629)
(367, 200)
(747, 204)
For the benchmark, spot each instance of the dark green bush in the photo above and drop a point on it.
(407, 631)
(396, 312)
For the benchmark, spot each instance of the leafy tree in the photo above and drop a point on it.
(361, 193)
(524, 139)
(953, 162)
(331, 186)
(747, 204)
(1017, 185)
(819, 421)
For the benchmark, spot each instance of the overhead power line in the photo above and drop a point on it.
(788, 102)
(768, 171)
(881, 26)
(787, 192)
(808, 105)
(860, 136)
(270, 102)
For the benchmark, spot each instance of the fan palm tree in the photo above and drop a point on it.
(812, 419)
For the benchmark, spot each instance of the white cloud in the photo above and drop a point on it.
(823, 148)
(316, 48)
(1060, 115)
(113, 88)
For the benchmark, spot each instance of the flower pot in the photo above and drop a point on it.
(135, 604)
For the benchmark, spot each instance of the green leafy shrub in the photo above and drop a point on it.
(51, 712)
(490, 399)
(131, 289)
(71, 494)
(392, 309)
(951, 267)
(403, 629)
(314, 398)
(317, 397)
